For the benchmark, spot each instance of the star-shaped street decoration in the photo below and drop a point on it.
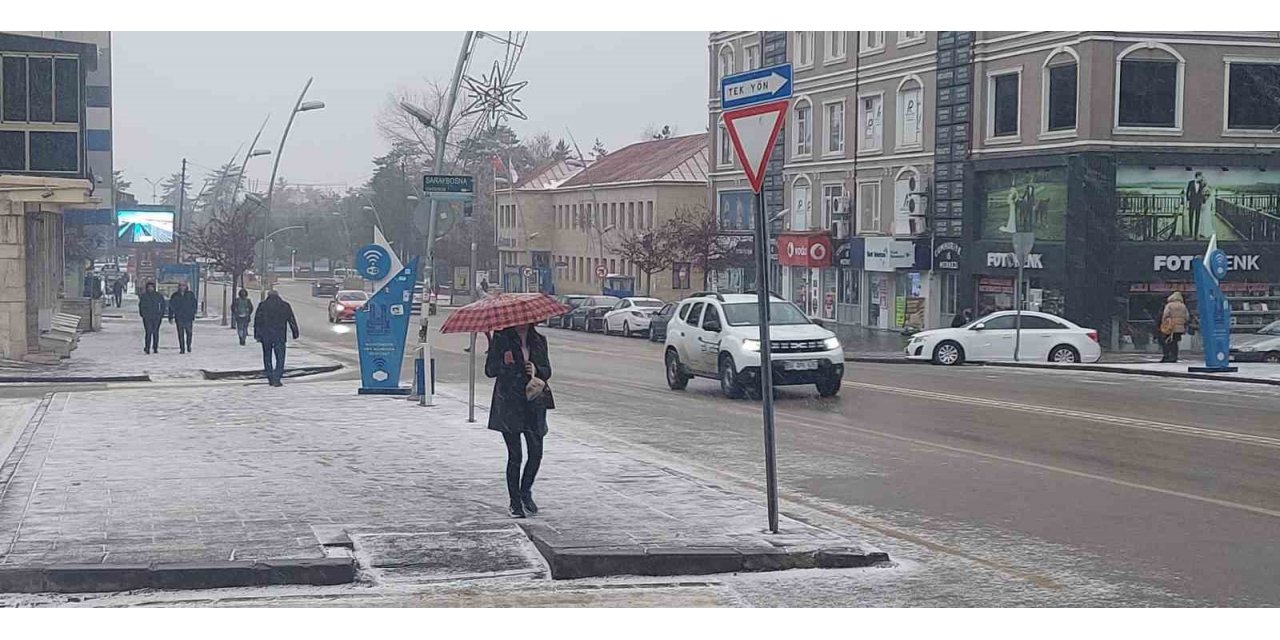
(493, 97)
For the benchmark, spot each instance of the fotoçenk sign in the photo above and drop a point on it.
(1162, 263)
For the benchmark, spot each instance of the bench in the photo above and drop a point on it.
(62, 336)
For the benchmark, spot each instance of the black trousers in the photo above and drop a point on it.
(1170, 346)
(116, 298)
(1194, 216)
(520, 484)
(184, 334)
(151, 339)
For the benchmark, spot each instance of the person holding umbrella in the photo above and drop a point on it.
(519, 363)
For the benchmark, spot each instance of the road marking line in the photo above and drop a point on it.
(1134, 423)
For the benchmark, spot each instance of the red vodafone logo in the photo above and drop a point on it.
(805, 250)
(818, 252)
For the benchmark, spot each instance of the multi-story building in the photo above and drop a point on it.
(44, 171)
(1123, 152)
(560, 228)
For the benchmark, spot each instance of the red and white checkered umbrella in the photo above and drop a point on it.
(501, 311)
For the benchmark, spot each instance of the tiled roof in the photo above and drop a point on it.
(682, 159)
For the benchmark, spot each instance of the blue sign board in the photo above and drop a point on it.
(373, 261)
(1215, 310)
(755, 86)
(381, 328)
(172, 274)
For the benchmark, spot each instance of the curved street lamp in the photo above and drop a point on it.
(298, 107)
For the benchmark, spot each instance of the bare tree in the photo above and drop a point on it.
(651, 251)
(227, 240)
(696, 239)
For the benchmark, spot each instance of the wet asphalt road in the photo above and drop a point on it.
(1168, 488)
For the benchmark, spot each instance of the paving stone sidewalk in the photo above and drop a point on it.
(250, 472)
(116, 351)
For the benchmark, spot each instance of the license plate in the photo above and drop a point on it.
(799, 365)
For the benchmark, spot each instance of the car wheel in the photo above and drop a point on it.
(676, 379)
(948, 353)
(829, 388)
(729, 384)
(626, 329)
(1272, 357)
(1063, 354)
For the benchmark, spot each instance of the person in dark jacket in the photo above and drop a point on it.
(962, 318)
(242, 312)
(117, 291)
(182, 311)
(516, 355)
(151, 308)
(269, 323)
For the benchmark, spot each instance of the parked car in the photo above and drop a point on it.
(658, 321)
(325, 287)
(717, 336)
(1045, 338)
(589, 315)
(571, 301)
(630, 316)
(342, 308)
(1263, 346)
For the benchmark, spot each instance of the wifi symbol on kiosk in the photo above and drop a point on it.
(374, 262)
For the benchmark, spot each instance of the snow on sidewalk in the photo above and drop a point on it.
(1247, 371)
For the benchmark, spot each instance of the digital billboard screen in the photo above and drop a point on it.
(144, 227)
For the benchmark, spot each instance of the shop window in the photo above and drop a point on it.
(1149, 87)
(950, 298)
(870, 123)
(1253, 96)
(1002, 104)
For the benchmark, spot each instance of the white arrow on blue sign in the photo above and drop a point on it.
(756, 86)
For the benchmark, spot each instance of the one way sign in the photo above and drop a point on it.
(754, 87)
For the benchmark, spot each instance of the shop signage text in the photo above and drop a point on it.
(947, 255)
(1183, 263)
(804, 250)
(887, 254)
(1006, 260)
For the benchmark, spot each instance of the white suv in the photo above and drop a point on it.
(715, 335)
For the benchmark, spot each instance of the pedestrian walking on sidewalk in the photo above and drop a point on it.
(1173, 323)
(182, 311)
(962, 318)
(269, 327)
(518, 361)
(117, 291)
(242, 312)
(151, 308)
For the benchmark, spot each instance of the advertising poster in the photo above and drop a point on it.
(1024, 200)
(144, 227)
(1167, 204)
(381, 328)
(735, 210)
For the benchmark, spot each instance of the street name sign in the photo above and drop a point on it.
(756, 86)
(449, 188)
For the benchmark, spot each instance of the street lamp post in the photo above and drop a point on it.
(298, 107)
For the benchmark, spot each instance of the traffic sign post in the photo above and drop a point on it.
(601, 271)
(755, 105)
(1023, 242)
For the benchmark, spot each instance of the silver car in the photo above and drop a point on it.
(1263, 346)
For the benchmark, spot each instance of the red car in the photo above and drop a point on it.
(342, 308)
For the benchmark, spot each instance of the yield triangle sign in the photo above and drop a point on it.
(754, 130)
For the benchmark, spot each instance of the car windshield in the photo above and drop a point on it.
(1272, 329)
(648, 303)
(353, 296)
(747, 314)
(603, 301)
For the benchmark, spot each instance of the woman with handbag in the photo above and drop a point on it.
(518, 362)
(1173, 323)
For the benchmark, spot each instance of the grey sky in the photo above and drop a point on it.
(201, 95)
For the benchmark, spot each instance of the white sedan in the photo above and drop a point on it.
(1045, 338)
(630, 316)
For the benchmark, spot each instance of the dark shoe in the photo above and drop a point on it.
(182, 350)
(147, 351)
(517, 511)
(529, 505)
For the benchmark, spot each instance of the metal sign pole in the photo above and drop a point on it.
(1017, 314)
(766, 359)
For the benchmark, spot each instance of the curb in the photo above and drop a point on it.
(1135, 372)
(883, 360)
(91, 578)
(568, 563)
(253, 374)
(51, 379)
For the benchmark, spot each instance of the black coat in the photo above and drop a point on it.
(182, 306)
(151, 305)
(272, 317)
(509, 411)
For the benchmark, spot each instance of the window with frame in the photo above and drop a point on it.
(800, 205)
(1148, 93)
(803, 129)
(1061, 98)
(681, 275)
(725, 157)
(870, 123)
(869, 207)
(835, 127)
(1004, 103)
(872, 41)
(726, 61)
(648, 212)
(910, 125)
(804, 48)
(751, 57)
(832, 194)
(836, 45)
(1253, 95)
(910, 37)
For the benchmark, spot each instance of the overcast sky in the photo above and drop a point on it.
(201, 95)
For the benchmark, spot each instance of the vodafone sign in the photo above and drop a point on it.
(804, 250)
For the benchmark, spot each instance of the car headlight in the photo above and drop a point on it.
(831, 343)
(338, 307)
(750, 345)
